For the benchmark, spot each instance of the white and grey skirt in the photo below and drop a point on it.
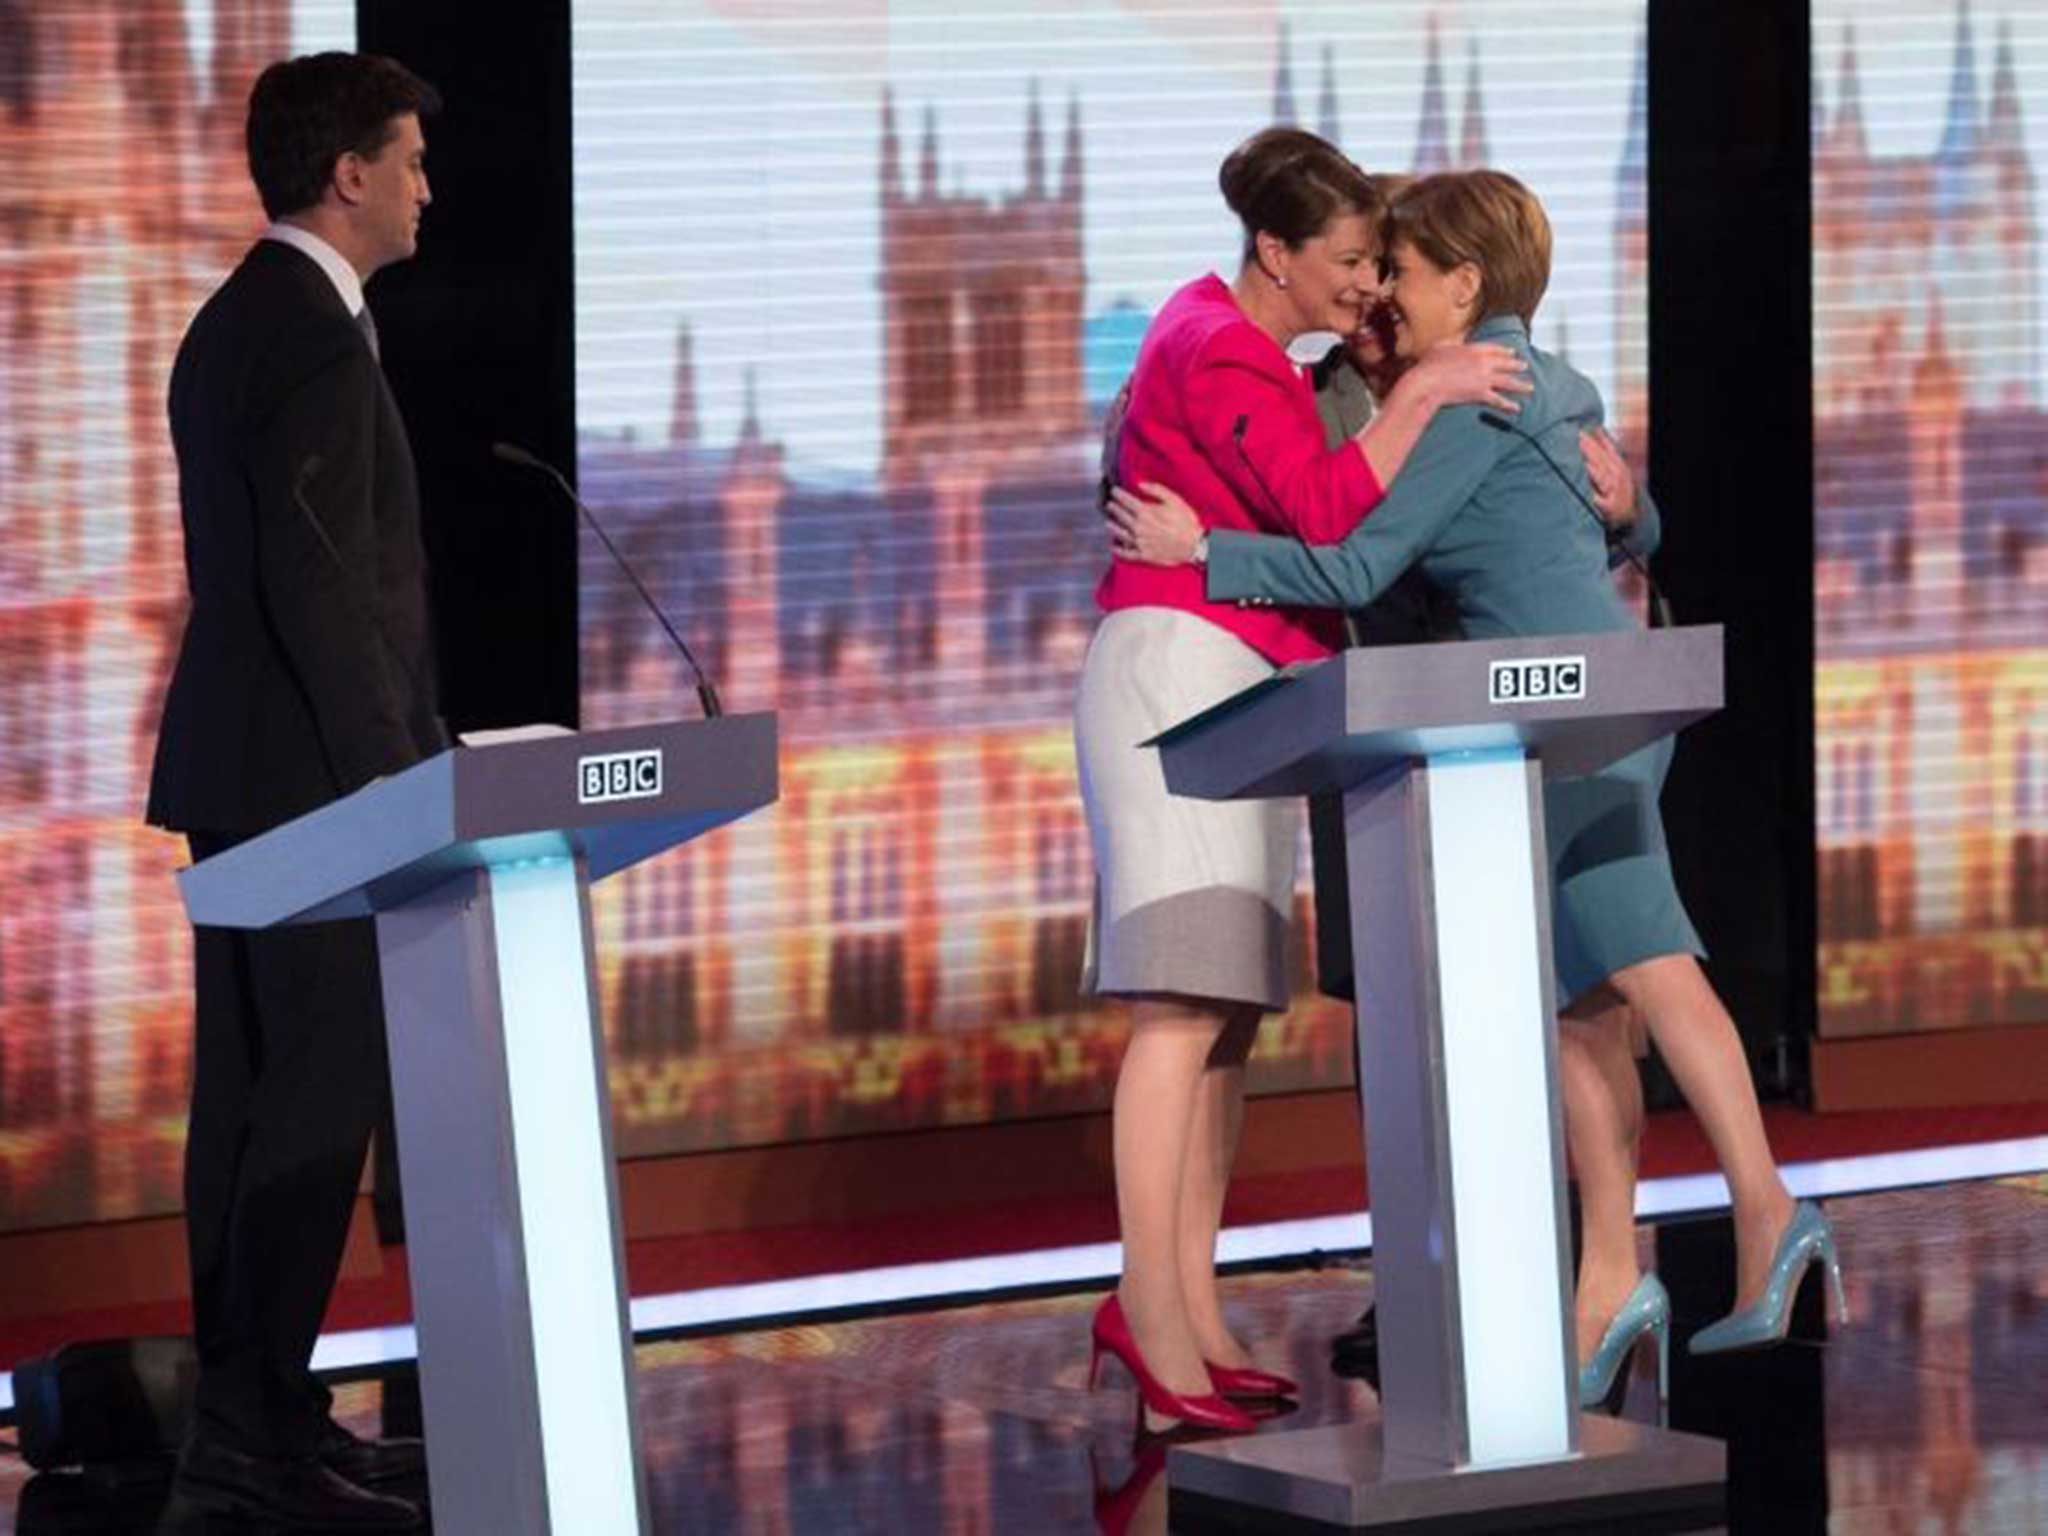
(1192, 897)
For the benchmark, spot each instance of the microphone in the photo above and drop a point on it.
(1660, 610)
(1352, 639)
(310, 466)
(511, 453)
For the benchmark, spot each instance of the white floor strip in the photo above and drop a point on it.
(1826, 1178)
(733, 1305)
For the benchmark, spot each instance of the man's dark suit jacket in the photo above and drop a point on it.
(307, 665)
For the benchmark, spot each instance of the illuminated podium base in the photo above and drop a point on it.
(1440, 753)
(1339, 1478)
(477, 866)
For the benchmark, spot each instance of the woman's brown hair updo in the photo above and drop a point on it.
(1290, 183)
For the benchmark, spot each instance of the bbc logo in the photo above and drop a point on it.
(618, 776)
(1539, 678)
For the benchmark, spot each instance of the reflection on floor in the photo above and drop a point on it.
(1929, 1412)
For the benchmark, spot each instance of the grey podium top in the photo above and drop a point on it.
(1577, 702)
(612, 797)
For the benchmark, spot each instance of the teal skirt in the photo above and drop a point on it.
(1613, 901)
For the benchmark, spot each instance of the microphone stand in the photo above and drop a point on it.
(1660, 610)
(511, 453)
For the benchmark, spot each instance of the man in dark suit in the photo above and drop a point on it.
(305, 672)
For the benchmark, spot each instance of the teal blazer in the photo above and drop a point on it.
(1490, 524)
(1479, 510)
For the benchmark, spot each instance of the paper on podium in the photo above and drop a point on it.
(501, 734)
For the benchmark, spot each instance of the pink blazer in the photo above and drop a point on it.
(1218, 413)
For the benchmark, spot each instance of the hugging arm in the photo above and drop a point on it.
(1634, 527)
(1452, 457)
(1642, 536)
(1244, 413)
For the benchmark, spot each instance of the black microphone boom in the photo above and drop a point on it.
(1352, 639)
(1660, 610)
(511, 453)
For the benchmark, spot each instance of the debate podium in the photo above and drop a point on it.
(477, 866)
(1440, 753)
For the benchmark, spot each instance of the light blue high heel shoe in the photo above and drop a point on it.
(1648, 1308)
(1807, 1240)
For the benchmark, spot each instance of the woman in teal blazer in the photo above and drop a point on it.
(1491, 524)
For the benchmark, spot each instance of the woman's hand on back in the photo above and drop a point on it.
(1155, 528)
(1472, 373)
(1614, 483)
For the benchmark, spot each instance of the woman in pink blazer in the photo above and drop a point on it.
(1193, 897)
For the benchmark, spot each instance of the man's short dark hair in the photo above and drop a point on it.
(306, 113)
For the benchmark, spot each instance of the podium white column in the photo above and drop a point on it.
(1440, 753)
(477, 867)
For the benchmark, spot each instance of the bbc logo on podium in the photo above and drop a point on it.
(1539, 677)
(618, 776)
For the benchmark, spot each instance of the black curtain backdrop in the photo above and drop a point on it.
(478, 339)
(479, 342)
(478, 336)
(1731, 454)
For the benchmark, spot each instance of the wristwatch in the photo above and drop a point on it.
(1201, 554)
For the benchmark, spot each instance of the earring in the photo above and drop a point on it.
(1280, 281)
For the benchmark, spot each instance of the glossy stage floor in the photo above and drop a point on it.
(1928, 1412)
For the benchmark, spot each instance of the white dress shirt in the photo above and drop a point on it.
(347, 281)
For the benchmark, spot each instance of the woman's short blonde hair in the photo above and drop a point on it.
(1487, 218)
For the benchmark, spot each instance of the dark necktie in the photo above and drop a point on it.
(367, 324)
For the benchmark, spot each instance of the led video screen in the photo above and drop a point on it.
(123, 201)
(1931, 536)
(855, 285)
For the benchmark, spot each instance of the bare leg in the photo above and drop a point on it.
(1205, 1180)
(1698, 1041)
(1154, 1114)
(1603, 1129)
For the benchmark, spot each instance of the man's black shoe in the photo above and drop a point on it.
(372, 1462)
(298, 1492)
(1357, 1353)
